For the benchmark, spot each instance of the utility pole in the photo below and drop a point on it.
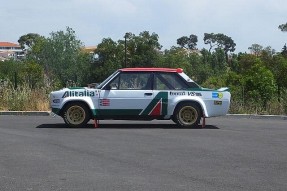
(126, 35)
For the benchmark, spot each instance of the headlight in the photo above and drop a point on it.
(56, 100)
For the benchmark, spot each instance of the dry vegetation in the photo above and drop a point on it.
(23, 99)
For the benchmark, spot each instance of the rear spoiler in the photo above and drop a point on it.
(223, 89)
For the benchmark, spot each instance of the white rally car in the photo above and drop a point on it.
(141, 94)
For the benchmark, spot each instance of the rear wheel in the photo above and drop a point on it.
(76, 115)
(187, 115)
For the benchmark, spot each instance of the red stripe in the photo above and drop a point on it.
(178, 70)
(157, 109)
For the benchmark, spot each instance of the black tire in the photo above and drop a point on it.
(187, 115)
(76, 115)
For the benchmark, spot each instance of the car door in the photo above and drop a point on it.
(126, 95)
(167, 86)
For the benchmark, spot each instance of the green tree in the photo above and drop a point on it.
(9, 69)
(284, 51)
(201, 69)
(109, 50)
(278, 66)
(22, 73)
(59, 54)
(32, 74)
(234, 63)
(142, 50)
(176, 58)
(188, 42)
(220, 41)
(218, 62)
(256, 49)
(87, 71)
(260, 84)
(283, 27)
(269, 51)
(28, 40)
(210, 39)
(212, 64)
(245, 62)
(258, 81)
(226, 43)
(110, 58)
(35, 52)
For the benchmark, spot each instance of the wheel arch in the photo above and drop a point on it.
(65, 105)
(198, 104)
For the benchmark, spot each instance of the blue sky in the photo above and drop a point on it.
(246, 21)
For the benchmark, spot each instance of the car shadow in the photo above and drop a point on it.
(125, 126)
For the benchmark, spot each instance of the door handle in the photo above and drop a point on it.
(147, 94)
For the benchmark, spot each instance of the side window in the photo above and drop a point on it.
(159, 84)
(115, 83)
(169, 81)
(132, 81)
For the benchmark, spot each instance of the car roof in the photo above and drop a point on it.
(177, 70)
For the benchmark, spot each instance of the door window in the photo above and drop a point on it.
(132, 81)
(169, 81)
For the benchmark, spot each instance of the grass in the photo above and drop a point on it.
(23, 99)
(273, 107)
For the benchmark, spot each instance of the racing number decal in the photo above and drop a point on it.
(158, 106)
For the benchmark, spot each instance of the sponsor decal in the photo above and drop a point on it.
(176, 93)
(217, 95)
(183, 93)
(85, 93)
(194, 94)
(104, 102)
(217, 102)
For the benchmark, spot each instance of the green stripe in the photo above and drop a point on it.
(100, 112)
(94, 111)
(76, 88)
(160, 95)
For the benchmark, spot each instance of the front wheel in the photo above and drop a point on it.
(187, 115)
(76, 115)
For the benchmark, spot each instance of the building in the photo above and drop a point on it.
(10, 50)
(89, 49)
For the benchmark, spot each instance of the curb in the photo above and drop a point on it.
(238, 116)
(26, 113)
(254, 116)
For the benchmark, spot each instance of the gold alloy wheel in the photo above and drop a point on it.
(188, 115)
(76, 115)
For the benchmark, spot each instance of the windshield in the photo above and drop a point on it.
(107, 80)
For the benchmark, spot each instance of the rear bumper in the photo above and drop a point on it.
(216, 107)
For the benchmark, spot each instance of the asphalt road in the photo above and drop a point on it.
(40, 153)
